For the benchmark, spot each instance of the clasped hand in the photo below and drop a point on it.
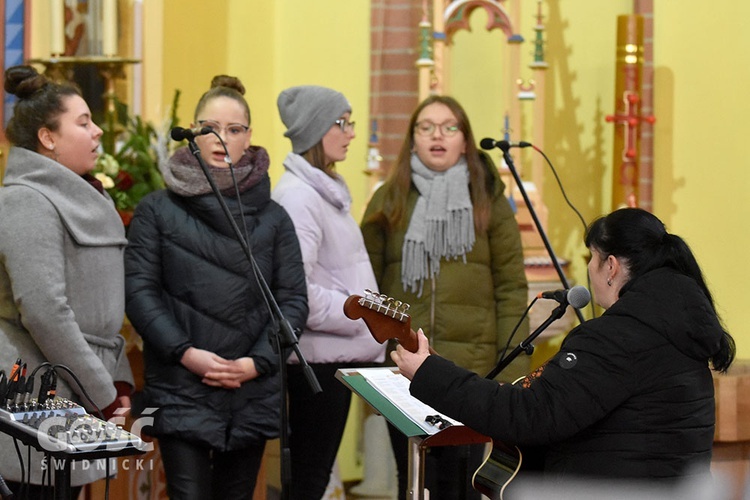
(409, 362)
(217, 371)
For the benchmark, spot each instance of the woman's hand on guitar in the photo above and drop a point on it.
(409, 362)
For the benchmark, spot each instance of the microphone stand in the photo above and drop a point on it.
(505, 148)
(284, 337)
(526, 344)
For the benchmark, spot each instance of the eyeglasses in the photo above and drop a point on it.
(231, 131)
(345, 125)
(427, 128)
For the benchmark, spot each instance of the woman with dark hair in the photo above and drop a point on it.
(61, 259)
(211, 369)
(443, 238)
(630, 393)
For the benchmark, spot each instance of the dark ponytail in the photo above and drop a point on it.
(641, 240)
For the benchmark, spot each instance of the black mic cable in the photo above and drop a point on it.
(501, 355)
(489, 143)
(179, 134)
(3, 386)
(228, 159)
(562, 189)
(235, 184)
(5, 492)
(21, 465)
(572, 207)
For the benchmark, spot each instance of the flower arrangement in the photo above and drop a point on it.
(131, 171)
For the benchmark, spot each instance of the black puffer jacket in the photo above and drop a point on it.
(630, 394)
(188, 283)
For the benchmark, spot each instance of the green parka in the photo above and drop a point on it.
(471, 308)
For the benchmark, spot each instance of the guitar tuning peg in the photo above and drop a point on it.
(404, 307)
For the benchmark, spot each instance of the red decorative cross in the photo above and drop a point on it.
(630, 119)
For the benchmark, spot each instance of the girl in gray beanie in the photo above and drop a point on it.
(309, 112)
(336, 266)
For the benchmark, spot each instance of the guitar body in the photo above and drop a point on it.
(497, 471)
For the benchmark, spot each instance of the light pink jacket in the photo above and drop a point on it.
(336, 263)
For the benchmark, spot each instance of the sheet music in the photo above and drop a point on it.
(395, 387)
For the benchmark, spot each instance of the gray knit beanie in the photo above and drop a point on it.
(309, 112)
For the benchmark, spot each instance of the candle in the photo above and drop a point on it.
(57, 31)
(109, 27)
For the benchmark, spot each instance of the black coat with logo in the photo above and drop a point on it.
(189, 283)
(629, 395)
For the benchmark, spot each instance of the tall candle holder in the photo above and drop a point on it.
(110, 68)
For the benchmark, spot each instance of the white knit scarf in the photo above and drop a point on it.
(442, 224)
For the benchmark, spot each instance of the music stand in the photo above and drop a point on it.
(419, 440)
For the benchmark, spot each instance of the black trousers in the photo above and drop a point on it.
(447, 469)
(317, 424)
(198, 473)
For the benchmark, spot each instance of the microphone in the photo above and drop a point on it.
(578, 296)
(488, 143)
(180, 134)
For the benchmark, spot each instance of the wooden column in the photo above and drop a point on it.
(645, 8)
(628, 74)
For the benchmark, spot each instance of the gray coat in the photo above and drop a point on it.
(61, 285)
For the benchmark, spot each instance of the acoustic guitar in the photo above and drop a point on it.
(387, 318)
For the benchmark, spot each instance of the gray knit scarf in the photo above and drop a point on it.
(184, 176)
(442, 224)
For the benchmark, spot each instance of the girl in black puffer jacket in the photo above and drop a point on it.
(211, 369)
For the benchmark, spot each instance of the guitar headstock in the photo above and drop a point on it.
(385, 317)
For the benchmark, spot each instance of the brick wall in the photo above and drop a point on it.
(394, 78)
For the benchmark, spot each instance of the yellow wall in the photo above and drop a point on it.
(272, 46)
(702, 179)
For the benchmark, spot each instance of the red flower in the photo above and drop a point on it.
(126, 216)
(123, 180)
